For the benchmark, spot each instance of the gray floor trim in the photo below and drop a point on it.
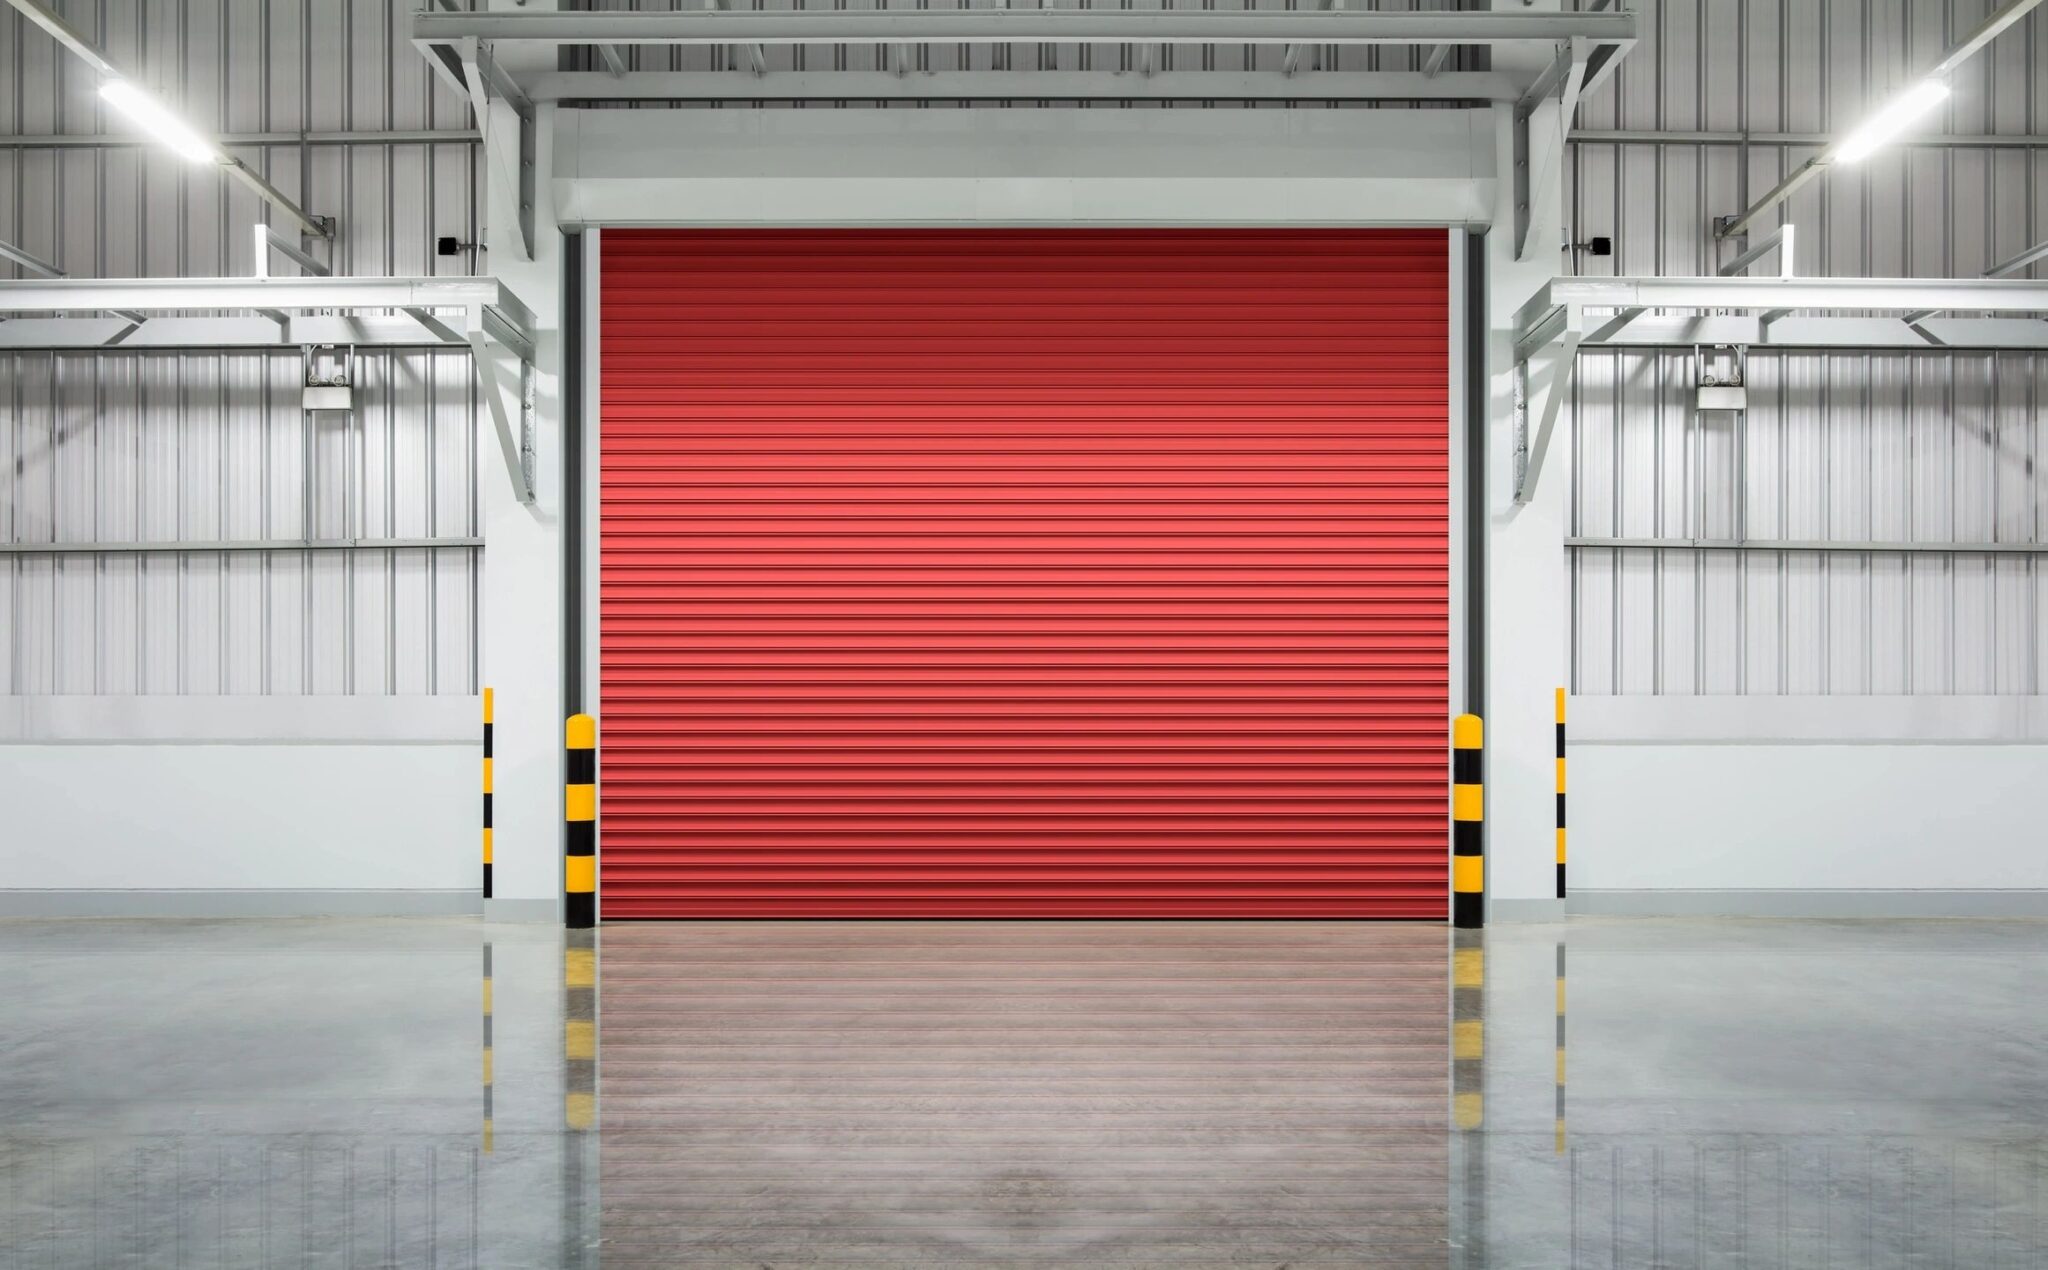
(236, 903)
(1873, 903)
(522, 910)
(1499, 910)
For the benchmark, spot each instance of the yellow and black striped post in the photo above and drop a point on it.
(489, 1060)
(1560, 1047)
(1468, 1031)
(1560, 794)
(1468, 815)
(579, 864)
(487, 793)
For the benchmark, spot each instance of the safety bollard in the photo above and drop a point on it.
(1468, 814)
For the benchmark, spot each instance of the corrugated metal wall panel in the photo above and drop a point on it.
(152, 446)
(1025, 573)
(159, 446)
(1844, 446)
(1847, 446)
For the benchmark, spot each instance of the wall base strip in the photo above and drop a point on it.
(236, 903)
(1857, 903)
(1538, 910)
(497, 910)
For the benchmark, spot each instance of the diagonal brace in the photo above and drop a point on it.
(1565, 360)
(515, 442)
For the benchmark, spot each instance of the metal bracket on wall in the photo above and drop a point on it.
(303, 311)
(1559, 331)
(489, 337)
(468, 67)
(1750, 313)
(1579, 67)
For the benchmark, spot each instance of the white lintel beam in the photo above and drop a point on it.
(2003, 269)
(418, 329)
(80, 295)
(999, 26)
(1020, 86)
(1882, 295)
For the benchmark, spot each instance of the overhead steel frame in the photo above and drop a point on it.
(43, 17)
(1994, 24)
(1572, 314)
(493, 325)
(1586, 46)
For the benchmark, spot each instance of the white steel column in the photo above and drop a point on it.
(1527, 609)
(521, 620)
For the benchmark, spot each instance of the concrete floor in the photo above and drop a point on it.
(286, 1093)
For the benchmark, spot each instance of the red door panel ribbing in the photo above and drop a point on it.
(1024, 573)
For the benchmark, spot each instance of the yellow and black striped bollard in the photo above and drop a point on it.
(1560, 1047)
(1468, 1031)
(1560, 793)
(1468, 815)
(489, 1061)
(579, 864)
(488, 708)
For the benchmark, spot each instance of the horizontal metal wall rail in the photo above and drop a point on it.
(1807, 544)
(1640, 136)
(266, 544)
(107, 140)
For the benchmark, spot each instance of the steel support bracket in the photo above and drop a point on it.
(483, 79)
(1558, 334)
(506, 401)
(1535, 177)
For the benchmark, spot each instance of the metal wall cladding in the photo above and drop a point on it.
(148, 446)
(194, 446)
(1027, 573)
(1845, 446)
(1924, 447)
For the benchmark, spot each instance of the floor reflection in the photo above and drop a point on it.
(1024, 1094)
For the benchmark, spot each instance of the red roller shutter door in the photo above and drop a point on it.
(1024, 573)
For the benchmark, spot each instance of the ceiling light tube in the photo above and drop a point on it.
(149, 114)
(1896, 116)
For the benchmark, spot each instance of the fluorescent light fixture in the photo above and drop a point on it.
(149, 114)
(1897, 115)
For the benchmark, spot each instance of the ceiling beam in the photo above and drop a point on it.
(1019, 86)
(996, 26)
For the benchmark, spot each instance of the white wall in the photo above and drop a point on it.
(1657, 827)
(327, 824)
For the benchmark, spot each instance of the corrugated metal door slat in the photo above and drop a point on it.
(1024, 573)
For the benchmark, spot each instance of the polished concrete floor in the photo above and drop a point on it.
(314, 1093)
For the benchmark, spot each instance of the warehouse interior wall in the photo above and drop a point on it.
(143, 447)
(1851, 721)
(250, 730)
